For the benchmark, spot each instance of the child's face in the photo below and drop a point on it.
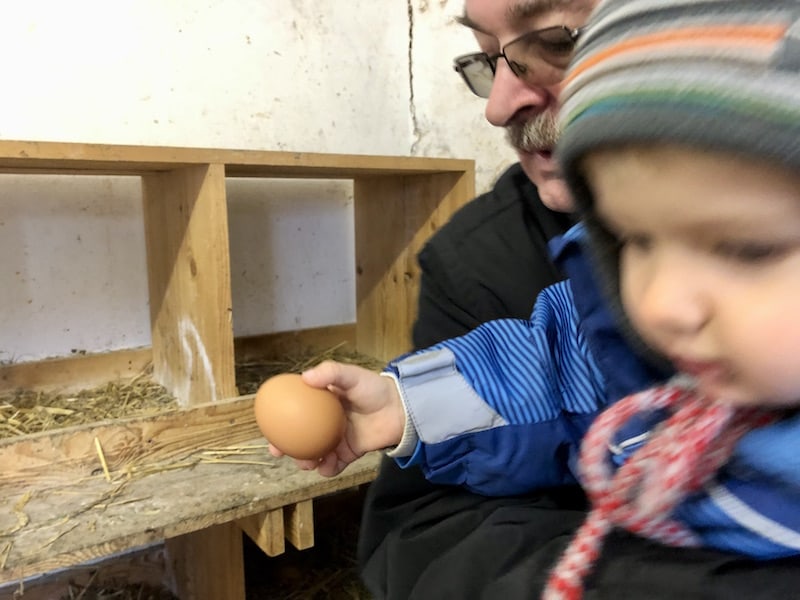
(709, 264)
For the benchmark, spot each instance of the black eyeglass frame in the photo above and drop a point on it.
(461, 62)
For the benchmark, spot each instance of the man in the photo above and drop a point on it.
(420, 541)
(490, 261)
(487, 247)
(542, 34)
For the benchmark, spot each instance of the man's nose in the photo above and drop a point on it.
(510, 96)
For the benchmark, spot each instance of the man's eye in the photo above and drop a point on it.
(558, 48)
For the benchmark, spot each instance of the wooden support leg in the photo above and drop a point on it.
(298, 522)
(270, 529)
(208, 564)
(266, 530)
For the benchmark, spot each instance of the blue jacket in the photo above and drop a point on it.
(502, 411)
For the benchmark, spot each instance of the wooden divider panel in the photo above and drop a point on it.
(188, 265)
(394, 217)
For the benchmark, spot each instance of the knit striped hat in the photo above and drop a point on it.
(713, 74)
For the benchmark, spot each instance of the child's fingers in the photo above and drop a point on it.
(331, 373)
(331, 465)
(306, 465)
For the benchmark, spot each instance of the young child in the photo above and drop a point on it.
(682, 146)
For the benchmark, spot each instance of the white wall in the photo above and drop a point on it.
(348, 76)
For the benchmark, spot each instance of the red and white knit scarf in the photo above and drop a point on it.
(682, 455)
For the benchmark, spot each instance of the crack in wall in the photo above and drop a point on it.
(412, 108)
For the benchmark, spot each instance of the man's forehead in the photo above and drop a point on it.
(525, 9)
(515, 11)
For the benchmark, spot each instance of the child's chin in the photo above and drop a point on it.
(725, 392)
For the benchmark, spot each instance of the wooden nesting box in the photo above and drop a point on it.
(68, 496)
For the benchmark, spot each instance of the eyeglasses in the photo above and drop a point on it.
(539, 57)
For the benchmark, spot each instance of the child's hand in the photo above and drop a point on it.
(372, 407)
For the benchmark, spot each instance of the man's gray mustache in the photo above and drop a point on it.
(539, 133)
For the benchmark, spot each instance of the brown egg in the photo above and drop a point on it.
(299, 420)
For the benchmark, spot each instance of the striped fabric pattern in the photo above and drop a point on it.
(512, 361)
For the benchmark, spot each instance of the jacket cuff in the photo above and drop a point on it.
(439, 402)
(409, 441)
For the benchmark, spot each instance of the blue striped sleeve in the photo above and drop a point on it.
(515, 378)
(532, 371)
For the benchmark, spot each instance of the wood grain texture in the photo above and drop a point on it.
(394, 217)
(74, 373)
(82, 371)
(188, 272)
(66, 455)
(207, 564)
(298, 523)
(72, 523)
(266, 531)
(90, 159)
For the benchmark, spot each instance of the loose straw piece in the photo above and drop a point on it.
(22, 517)
(102, 456)
(23, 412)
(222, 461)
(4, 554)
(58, 536)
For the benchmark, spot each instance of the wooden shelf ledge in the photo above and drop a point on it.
(71, 523)
(108, 159)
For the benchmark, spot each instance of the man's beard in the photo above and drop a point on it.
(539, 133)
